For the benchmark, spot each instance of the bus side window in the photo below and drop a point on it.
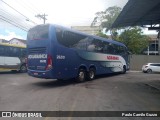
(13, 51)
(59, 35)
(110, 49)
(121, 50)
(105, 48)
(96, 46)
(2, 50)
(116, 49)
(91, 47)
(23, 52)
(82, 42)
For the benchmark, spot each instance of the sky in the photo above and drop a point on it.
(62, 12)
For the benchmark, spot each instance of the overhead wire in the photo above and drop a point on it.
(17, 11)
(12, 18)
(12, 23)
(30, 6)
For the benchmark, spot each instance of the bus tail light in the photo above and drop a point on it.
(49, 63)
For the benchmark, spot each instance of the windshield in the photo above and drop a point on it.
(38, 32)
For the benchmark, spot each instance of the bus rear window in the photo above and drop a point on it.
(38, 33)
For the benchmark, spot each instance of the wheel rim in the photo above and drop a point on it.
(81, 76)
(23, 69)
(91, 74)
(149, 71)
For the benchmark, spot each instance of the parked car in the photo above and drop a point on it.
(151, 67)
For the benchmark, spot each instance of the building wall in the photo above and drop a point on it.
(137, 61)
(16, 42)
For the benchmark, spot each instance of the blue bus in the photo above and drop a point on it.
(56, 52)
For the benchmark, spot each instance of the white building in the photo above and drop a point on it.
(16, 41)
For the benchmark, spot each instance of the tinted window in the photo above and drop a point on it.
(154, 64)
(2, 50)
(111, 49)
(11, 51)
(23, 52)
(106, 47)
(95, 45)
(121, 50)
(78, 41)
(83, 44)
(38, 32)
(70, 39)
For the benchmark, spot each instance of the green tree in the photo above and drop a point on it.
(102, 35)
(131, 37)
(105, 20)
(134, 40)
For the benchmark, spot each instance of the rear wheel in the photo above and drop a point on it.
(81, 76)
(124, 70)
(23, 68)
(149, 71)
(91, 74)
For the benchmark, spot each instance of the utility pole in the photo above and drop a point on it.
(42, 16)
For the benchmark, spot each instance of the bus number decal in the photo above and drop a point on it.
(62, 57)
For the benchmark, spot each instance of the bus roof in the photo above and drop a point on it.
(93, 36)
(6, 44)
(82, 33)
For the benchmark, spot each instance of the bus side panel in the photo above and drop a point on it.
(12, 62)
(67, 63)
(105, 63)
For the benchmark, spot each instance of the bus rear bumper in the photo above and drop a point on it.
(41, 74)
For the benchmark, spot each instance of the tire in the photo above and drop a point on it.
(124, 70)
(81, 75)
(149, 71)
(91, 74)
(23, 68)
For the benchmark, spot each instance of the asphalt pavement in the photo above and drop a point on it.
(133, 91)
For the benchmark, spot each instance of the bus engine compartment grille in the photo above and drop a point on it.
(37, 50)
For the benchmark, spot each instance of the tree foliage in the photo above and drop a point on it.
(106, 18)
(134, 40)
(102, 35)
(132, 37)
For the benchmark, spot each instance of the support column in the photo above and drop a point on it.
(158, 36)
(159, 46)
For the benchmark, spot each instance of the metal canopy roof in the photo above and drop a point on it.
(139, 13)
